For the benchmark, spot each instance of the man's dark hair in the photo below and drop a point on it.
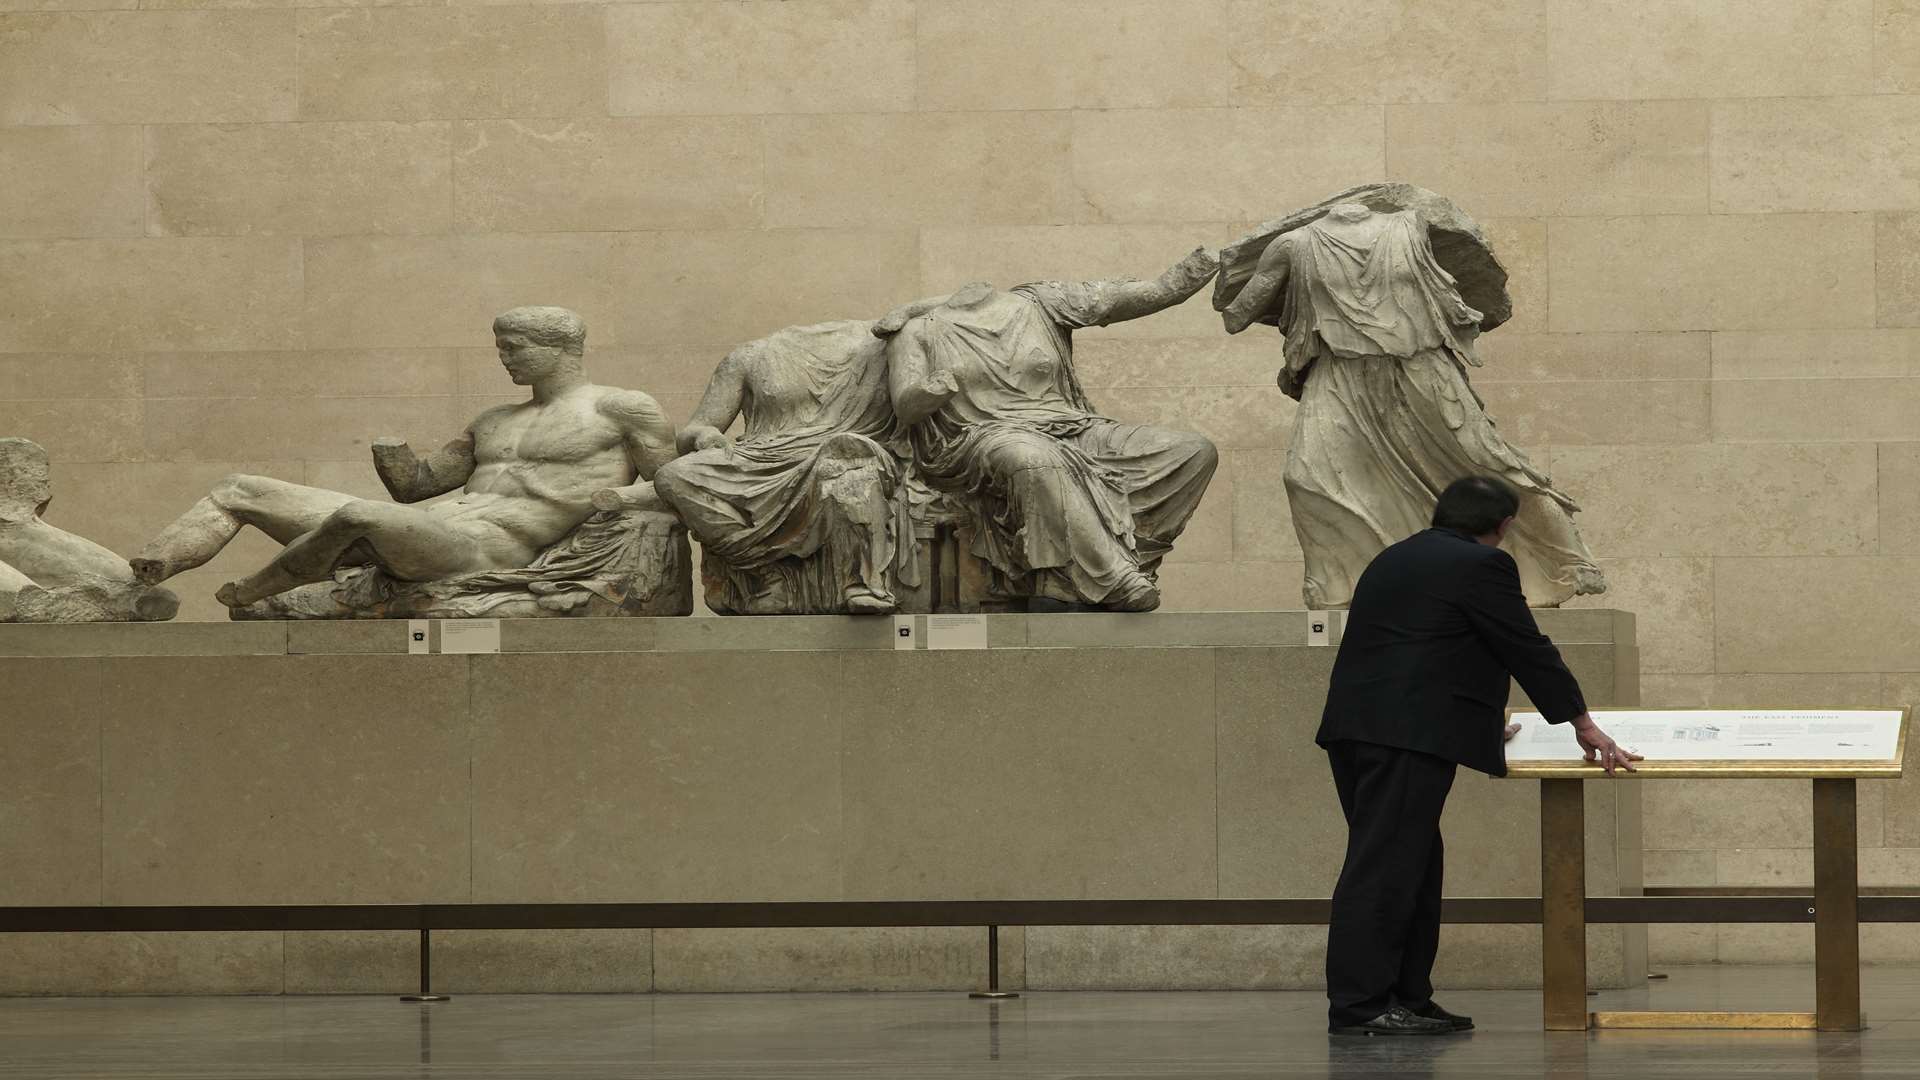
(1476, 505)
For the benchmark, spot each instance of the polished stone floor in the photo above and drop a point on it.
(1043, 1036)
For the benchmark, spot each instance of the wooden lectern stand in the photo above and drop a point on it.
(1830, 747)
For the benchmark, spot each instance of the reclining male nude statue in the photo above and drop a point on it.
(48, 574)
(532, 474)
(806, 513)
(1066, 504)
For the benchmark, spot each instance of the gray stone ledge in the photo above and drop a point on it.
(144, 639)
(1095, 630)
(834, 633)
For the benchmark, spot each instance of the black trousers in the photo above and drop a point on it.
(1386, 908)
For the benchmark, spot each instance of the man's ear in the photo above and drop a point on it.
(1500, 533)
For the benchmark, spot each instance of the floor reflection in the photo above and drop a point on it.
(1039, 1036)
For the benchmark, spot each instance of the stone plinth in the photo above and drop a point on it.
(779, 758)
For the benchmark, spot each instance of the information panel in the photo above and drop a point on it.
(470, 636)
(1734, 737)
(956, 631)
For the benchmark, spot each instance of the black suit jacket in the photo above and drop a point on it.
(1436, 626)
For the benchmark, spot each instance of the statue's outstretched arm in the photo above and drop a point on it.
(1135, 299)
(411, 478)
(718, 407)
(1257, 295)
(889, 324)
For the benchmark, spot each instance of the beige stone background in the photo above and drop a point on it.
(252, 235)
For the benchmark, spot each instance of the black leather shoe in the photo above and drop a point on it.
(1433, 1011)
(1396, 1021)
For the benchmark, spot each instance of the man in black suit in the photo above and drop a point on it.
(1436, 627)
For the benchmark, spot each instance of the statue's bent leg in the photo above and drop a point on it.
(281, 510)
(1555, 564)
(1054, 529)
(1336, 539)
(412, 544)
(1360, 472)
(861, 493)
(684, 485)
(1167, 473)
(859, 537)
(801, 534)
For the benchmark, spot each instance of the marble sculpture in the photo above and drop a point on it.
(1379, 293)
(862, 437)
(1066, 504)
(807, 512)
(556, 514)
(48, 574)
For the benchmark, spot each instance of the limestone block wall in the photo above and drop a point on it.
(248, 235)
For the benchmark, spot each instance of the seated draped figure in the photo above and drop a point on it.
(1379, 294)
(556, 513)
(48, 574)
(1064, 503)
(807, 512)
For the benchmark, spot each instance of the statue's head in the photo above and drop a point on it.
(1349, 211)
(26, 484)
(536, 342)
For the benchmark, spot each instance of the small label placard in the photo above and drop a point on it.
(956, 631)
(470, 636)
(1319, 627)
(418, 634)
(1722, 735)
(904, 635)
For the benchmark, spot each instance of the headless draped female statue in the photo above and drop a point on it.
(1377, 345)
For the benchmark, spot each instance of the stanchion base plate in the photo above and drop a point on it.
(425, 997)
(993, 995)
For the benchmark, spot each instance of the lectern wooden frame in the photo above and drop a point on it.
(1836, 885)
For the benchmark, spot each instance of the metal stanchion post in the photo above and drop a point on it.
(1563, 900)
(426, 972)
(993, 991)
(1836, 906)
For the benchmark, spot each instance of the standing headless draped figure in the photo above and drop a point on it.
(1066, 503)
(1378, 341)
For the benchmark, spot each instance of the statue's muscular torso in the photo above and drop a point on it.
(537, 465)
